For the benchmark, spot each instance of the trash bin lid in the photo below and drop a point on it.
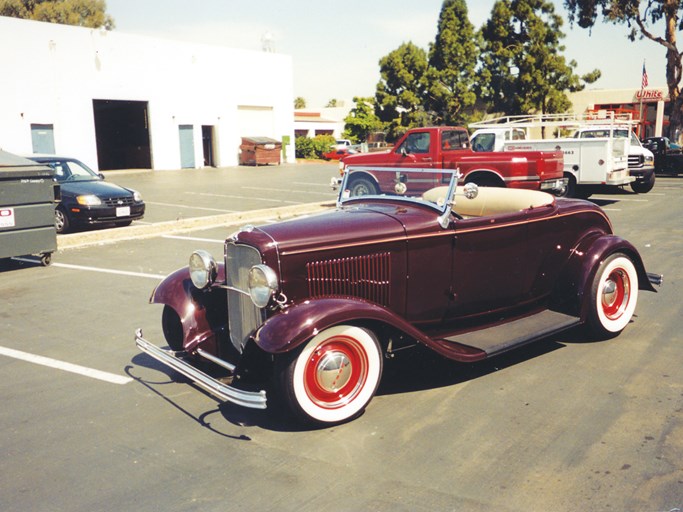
(16, 167)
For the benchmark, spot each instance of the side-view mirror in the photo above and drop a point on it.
(100, 175)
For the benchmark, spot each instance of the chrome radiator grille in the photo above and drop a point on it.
(243, 316)
(367, 277)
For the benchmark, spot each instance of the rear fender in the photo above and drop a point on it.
(202, 313)
(300, 322)
(583, 264)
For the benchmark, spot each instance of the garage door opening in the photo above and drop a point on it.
(122, 132)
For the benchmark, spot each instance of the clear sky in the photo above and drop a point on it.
(336, 46)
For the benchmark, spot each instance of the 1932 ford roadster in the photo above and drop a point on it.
(315, 303)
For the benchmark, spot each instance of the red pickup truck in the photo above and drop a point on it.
(447, 147)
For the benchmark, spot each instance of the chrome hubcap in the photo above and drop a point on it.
(333, 371)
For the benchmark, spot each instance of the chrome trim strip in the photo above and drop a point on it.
(251, 399)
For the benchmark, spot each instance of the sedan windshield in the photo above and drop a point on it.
(431, 187)
(72, 171)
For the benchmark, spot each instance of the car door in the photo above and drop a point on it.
(488, 265)
(417, 150)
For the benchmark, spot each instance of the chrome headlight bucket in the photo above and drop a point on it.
(203, 269)
(262, 285)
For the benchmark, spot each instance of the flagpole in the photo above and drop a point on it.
(643, 82)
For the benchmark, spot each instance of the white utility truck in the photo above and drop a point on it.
(590, 163)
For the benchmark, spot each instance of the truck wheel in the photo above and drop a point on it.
(333, 377)
(61, 221)
(570, 189)
(643, 186)
(487, 181)
(612, 296)
(362, 187)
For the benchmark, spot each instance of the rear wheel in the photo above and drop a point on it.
(487, 181)
(333, 377)
(570, 189)
(613, 296)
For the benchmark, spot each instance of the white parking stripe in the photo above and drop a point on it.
(194, 239)
(109, 271)
(67, 367)
(192, 207)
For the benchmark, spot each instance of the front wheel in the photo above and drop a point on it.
(613, 296)
(362, 187)
(61, 221)
(645, 185)
(333, 377)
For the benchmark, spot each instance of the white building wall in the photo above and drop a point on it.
(52, 73)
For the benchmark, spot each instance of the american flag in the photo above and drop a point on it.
(644, 82)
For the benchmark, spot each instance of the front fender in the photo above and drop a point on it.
(202, 313)
(584, 262)
(300, 322)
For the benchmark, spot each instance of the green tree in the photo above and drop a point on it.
(332, 103)
(642, 17)
(84, 13)
(299, 102)
(400, 92)
(362, 120)
(453, 57)
(523, 69)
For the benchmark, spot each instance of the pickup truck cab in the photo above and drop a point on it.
(668, 156)
(447, 147)
(641, 161)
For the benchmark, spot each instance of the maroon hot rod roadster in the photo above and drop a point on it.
(311, 306)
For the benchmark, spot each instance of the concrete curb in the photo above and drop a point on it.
(107, 236)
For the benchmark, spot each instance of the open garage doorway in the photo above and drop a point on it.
(122, 132)
(207, 143)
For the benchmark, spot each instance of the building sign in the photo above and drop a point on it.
(649, 95)
(6, 217)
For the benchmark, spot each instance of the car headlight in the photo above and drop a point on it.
(649, 160)
(88, 200)
(137, 196)
(203, 269)
(262, 285)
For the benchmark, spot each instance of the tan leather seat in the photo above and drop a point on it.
(491, 200)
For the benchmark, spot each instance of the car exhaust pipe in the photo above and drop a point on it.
(656, 279)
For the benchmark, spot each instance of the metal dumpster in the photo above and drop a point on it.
(260, 151)
(28, 194)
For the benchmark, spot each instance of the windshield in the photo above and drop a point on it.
(72, 171)
(424, 186)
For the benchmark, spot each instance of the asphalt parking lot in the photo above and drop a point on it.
(89, 423)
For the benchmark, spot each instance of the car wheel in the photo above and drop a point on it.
(172, 328)
(613, 296)
(333, 377)
(487, 181)
(61, 221)
(643, 186)
(362, 187)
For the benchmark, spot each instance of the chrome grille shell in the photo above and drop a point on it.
(243, 316)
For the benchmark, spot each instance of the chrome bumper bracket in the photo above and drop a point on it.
(251, 399)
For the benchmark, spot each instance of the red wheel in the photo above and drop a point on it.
(613, 297)
(334, 376)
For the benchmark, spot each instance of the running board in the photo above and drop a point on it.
(509, 335)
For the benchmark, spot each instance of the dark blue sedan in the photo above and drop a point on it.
(87, 199)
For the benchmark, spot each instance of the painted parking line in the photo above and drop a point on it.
(192, 207)
(157, 277)
(194, 239)
(67, 367)
(289, 191)
(249, 198)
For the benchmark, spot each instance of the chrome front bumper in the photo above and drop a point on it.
(251, 399)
